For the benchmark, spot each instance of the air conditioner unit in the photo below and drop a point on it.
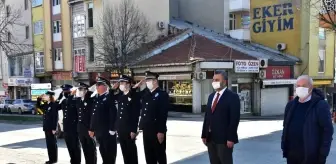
(161, 25)
(281, 46)
(200, 75)
(262, 74)
(263, 63)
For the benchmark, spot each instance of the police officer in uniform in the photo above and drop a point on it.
(127, 119)
(84, 108)
(50, 118)
(103, 122)
(154, 113)
(70, 118)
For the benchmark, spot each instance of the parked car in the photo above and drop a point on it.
(5, 105)
(21, 106)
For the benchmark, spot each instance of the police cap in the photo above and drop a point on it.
(66, 87)
(125, 78)
(102, 80)
(151, 75)
(83, 85)
(51, 93)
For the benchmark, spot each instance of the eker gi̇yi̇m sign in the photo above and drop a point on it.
(277, 17)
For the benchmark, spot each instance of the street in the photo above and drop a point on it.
(259, 144)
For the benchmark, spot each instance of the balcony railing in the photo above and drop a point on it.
(241, 34)
(239, 5)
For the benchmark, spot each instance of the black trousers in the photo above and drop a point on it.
(108, 148)
(154, 151)
(295, 158)
(128, 148)
(72, 143)
(51, 146)
(219, 153)
(89, 148)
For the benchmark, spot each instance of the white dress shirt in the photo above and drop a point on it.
(220, 95)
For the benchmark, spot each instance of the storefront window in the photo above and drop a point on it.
(245, 94)
(180, 92)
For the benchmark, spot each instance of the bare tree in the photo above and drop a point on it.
(326, 11)
(123, 29)
(10, 17)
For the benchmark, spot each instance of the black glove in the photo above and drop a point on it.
(322, 159)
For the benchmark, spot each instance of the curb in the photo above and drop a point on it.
(242, 117)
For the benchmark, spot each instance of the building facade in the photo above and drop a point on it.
(52, 40)
(18, 65)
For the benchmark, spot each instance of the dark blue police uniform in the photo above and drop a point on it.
(127, 121)
(153, 120)
(50, 119)
(84, 109)
(103, 123)
(70, 119)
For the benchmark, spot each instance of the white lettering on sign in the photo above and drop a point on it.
(247, 66)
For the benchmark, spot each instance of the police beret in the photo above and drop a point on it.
(103, 80)
(66, 87)
(124, 78)
(51, 93)
(83, 85)
(151, 75)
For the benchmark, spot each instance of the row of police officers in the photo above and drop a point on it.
(121, 110)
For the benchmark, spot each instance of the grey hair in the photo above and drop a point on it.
(223, 73)
(306, 77)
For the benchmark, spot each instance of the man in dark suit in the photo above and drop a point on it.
(103, 122)
(221, 121)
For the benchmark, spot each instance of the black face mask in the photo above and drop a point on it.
(66, 94)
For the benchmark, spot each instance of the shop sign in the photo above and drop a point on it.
(27, 72)
(277, 17)
(246, 66)
(62, 75)
(278, 72)
(279, 82)
(25, 82)
(80, 63)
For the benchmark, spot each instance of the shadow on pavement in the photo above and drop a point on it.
(7, 127)
(264, 149)
(37, 143)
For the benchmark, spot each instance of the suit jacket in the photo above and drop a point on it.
(224, 121)
(50, 114)
(84, 109)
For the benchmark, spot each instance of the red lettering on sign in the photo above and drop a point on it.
(278, 72)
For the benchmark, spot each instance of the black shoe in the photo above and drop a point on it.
(50, 162)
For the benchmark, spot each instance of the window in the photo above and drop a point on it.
(26, 4)
(39, 62)
(245, 21)
(9, 37)
(90, 15)
(37, 3)
(58, 54)
(56, 2)
(321, 61)
(38, 27)
(8, 10)
(79, 52)
(27, 32)
(232, 22)
(78, 26)
(91, 50)
(322, 34)
(57, 27)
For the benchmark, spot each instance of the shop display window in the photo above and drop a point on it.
(180, 92)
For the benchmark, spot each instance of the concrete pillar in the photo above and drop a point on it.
(256, 108)
(197, 92)
(14, 92)
(229, 82)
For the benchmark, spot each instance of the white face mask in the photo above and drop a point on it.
(80, 94)
(122, 88)
(302, 92)
(149, 85)
(216, 85)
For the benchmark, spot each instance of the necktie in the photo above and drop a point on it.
(215, 103)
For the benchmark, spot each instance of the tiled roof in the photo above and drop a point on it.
(205, 49)
(255, 50)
